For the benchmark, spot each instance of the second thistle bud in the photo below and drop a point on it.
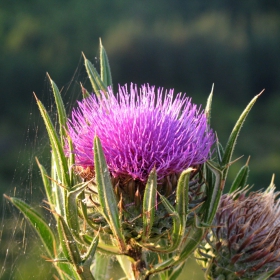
(244, 241)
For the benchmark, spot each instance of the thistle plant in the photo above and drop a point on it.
(244, 240)
(136, 175)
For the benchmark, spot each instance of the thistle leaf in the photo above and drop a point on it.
(96, 82)
(182, 198)
(66, 271)
(175, 272)
(177, 228)
(84, 213)
(209, 105)
(219, 151)
(71, 162)
(106, 194)
(149, 205)
(59, 157)
(71, 252)
(102, 246)
(105, 71)
(62, 117)
(182, 206)
(47, 184)
(178, 214)
(88, 258)
(240, 180)
(213, 194)
(108, 249)
(159, 267)
(71, 209)
(39, 224)
(68, 243)
(59, 192)
(234, 135)
(192, 243)
(84, 91)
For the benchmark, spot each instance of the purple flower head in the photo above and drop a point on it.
(141, 129)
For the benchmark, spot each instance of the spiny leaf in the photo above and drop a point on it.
(209, 105)
(71, 209)
(62, 118)
(192, 243)
(88, 258)
(69, 246)
(71, 251)
(94, 78)
(234, 135)
(59, 157)
(240, 180)
(214, 193)
(186, 251)
(174, 273)
(177, 227)
(182, 198)
(47, 184)
(219, 151)
(59, 192)
(178, 214)
(39, 224)
(149, 204)
(106, 194)
(105, 71)
(84, 91)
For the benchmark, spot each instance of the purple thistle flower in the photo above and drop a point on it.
(139, 130)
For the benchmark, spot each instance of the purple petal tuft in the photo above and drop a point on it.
(139, 130)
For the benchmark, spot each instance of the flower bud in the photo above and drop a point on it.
(244, 240)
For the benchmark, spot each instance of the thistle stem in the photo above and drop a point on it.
(133, 264)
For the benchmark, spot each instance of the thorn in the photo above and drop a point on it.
(260, 92)
(59, 184)
(35, 96)
(272, 185)
(212, 89)
(272, 180)
(7, 197)
(232, 162)
(247, 163)
(37, 161)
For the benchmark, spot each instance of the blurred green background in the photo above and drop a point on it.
(186, 45)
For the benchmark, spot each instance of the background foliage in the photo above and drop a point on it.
(186, 45)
